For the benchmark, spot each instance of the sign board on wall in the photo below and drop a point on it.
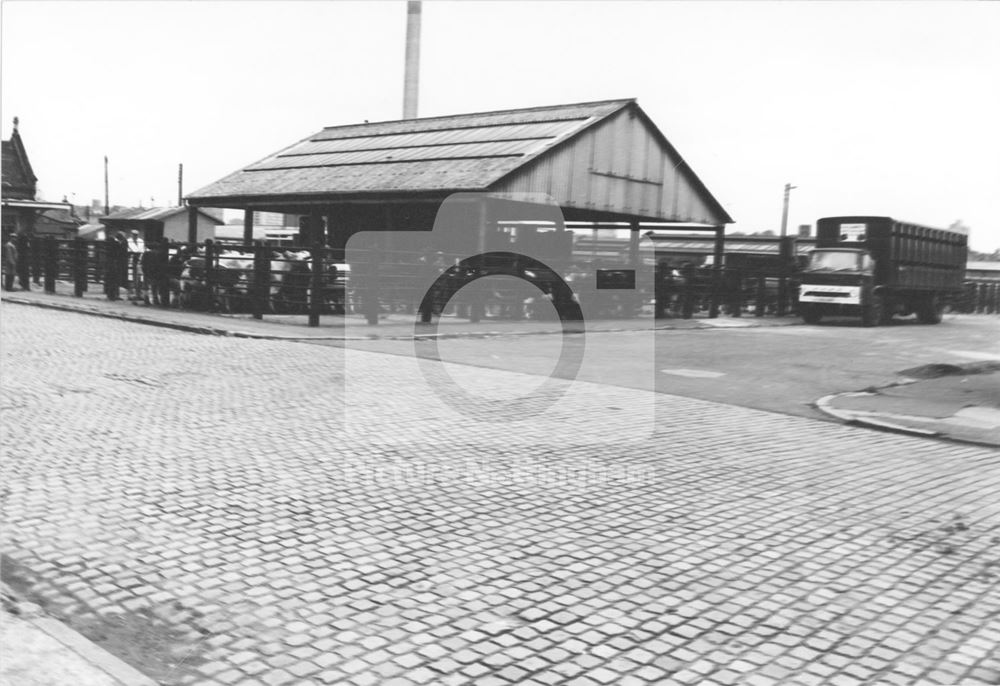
(853, 232)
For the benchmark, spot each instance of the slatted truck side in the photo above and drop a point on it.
(876, 267)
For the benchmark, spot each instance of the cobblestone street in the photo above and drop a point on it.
(195, 505)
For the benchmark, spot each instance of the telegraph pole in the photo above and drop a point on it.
(783, 278)
(784, 210)
(107, 207)
(180, 185)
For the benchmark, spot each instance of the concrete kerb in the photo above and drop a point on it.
(238, 333)
(870, 419)
(92, 654)
(883, 421)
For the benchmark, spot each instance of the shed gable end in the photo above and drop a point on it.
(621, 165)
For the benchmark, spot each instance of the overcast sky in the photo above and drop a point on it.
(868, 108)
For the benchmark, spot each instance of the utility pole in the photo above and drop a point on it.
(783, 278)
(784, 209)
(107, 206)
(180, 185)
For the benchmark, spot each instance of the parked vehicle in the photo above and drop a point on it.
(875, 267)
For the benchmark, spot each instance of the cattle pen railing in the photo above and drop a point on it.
(267, 280)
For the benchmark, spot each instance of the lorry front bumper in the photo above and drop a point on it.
(829, 294)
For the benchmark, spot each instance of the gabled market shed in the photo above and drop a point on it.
(603, 163)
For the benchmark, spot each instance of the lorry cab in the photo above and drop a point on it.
(840, 260)
(835, 281)
(876, 267)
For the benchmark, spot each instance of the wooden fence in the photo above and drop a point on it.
(266, 280)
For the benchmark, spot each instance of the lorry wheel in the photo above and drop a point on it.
(930, 311)
(887, 313)
(810, 314)
(873, 312)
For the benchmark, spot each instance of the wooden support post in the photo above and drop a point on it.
(79, 267)
(635, 299)
(782, 293)
(192, 224)
(112, 269)
(688, 272)
(760, 300)
(316, 283)
(369, 298)
(719, 251)
(477, 308)
(633, 245)
(36, 259)
(51, 263)
(210, 276)
(248, 227)
(87, 261)
(261, 284)
(316, 265)
(338, 231)
(733, 282)
(339, 227)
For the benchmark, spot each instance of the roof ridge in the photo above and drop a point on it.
(539, 108)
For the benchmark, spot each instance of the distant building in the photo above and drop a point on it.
(982, 271)
(22, 213)
(169, 222)
(273, 228)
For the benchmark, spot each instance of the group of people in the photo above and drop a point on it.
(675, 292)
(144, 271)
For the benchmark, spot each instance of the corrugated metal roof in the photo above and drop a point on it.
(458, 152)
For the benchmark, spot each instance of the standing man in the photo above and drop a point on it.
(9, 262)
(136, 248)
(155, 266)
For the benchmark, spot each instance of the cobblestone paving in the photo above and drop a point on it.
(196, 491)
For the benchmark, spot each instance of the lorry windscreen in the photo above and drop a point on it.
(834, 261)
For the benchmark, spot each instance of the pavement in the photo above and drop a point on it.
(957, 402)
(41, 651)
(258, 546)
(350, 327)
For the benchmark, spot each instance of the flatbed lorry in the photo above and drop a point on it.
(877, 267)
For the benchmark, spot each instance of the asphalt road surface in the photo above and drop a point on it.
(781, 369)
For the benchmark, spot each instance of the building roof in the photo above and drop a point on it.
(38, 205)
(747, 245)
(485, 151)
(90, 230)
(458, 152)
(19, 180)
(152, 214)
